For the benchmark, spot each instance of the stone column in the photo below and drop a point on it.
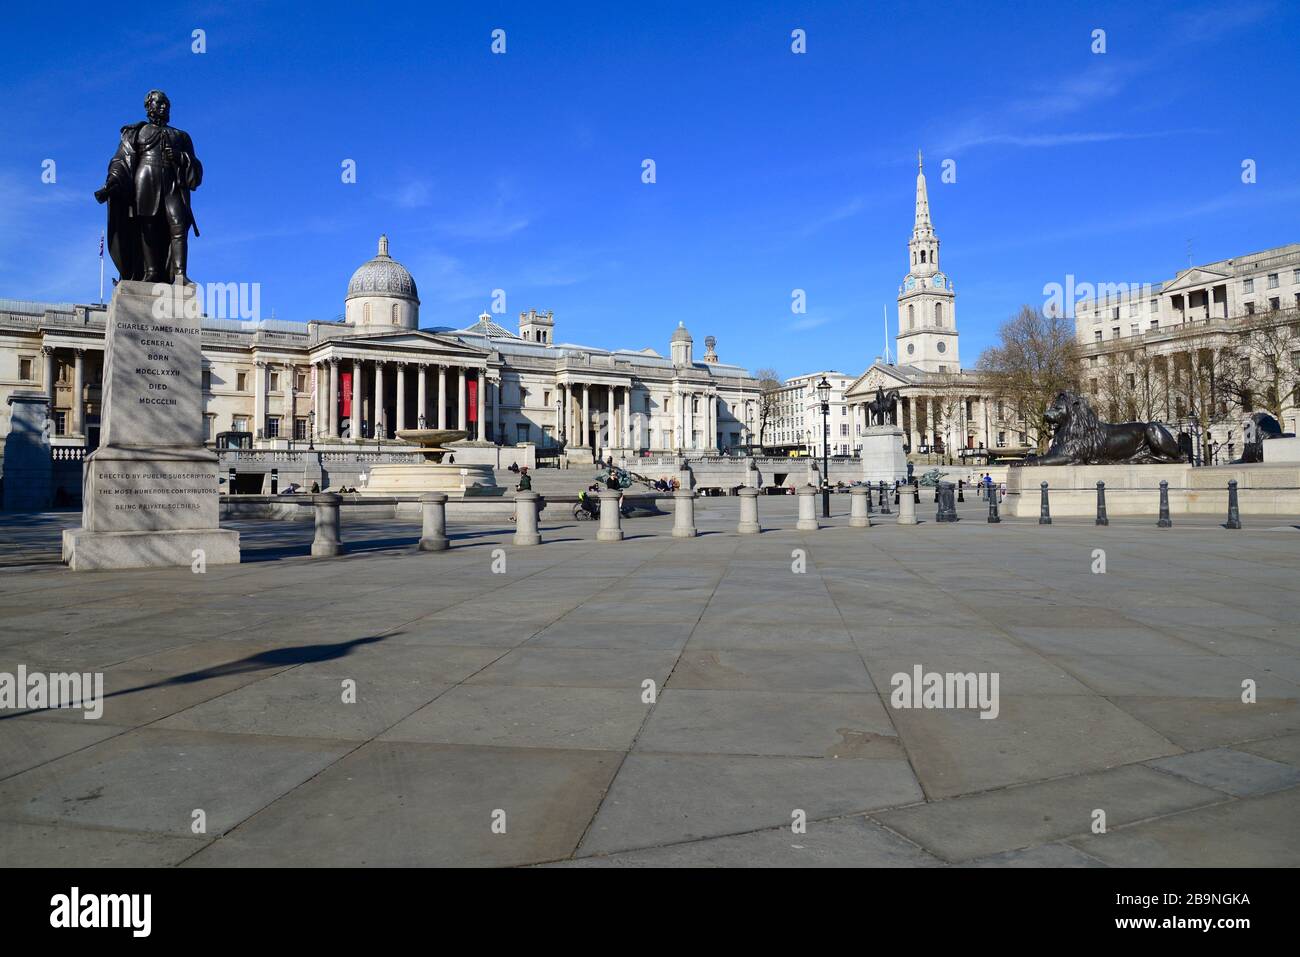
(327, 542)
(51, 387)
(611, 519)
(442, 396)
(290, 402)
(481, 376)
(679, 423)
(586, 414)
(859, 503)
(498, 414)
(422, 397)
(259, 399)
(906, 507)
(684, 514)
(562, 426)
(356, 400)
(433, 537)
(377, 409)
(627, 418)
(401, 396)
(611, 436)
(807, 496)
(748, 524)
(461, 422)
(332, 410)
(78, 393)
(526, 519)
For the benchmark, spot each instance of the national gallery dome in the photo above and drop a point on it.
(382, 293)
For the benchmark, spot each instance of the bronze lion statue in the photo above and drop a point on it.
(1080, 438)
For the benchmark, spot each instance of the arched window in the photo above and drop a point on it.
(938, 313)
(911, 316)
(922, 255)
(396, 320)
(365, 314)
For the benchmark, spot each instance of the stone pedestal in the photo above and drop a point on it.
(526, 519)
(28, 468)
(433, 537)
(859, 503)
(906, 509)
(327, 542)
(684, 514)
(807, 496)
(150, 495)
(611, 519)
(883, 459)
(748, 524)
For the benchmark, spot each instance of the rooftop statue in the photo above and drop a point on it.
(147, 189)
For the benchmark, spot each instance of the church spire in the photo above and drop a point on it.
(923, 228)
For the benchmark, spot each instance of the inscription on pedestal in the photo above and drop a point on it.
(153, 363)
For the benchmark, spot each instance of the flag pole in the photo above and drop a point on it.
(884, 313)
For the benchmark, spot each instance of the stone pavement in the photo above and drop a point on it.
(520, 694)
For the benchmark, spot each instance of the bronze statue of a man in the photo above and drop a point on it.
(148, 194)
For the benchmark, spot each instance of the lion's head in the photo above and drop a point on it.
(1076, 430)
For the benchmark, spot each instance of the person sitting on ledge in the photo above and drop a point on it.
(525, 481)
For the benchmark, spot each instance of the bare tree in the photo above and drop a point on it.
(1036, 358)
(1262, 368)
(769, 386)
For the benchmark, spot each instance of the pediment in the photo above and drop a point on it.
(1192, 278)
(879, 375)
(415, 340)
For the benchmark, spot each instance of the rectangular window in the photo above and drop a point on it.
(1114, 332)
(1248, 285)
(546, 399)
(844, 429)
(209, 423)
(239, 423)
(1272, 280)
(241, 381)
(60, 422)
(1155, 324)
(1154, 306)
(1098, 335)
(1132, 308)
(521, 432)
(300, 429)
(1250, 308)
(548, 435)
(1274, 304)
(300, 382)
(25, 370)
(273, 427)
(207, 380)
(275, 381)
(1133, 329)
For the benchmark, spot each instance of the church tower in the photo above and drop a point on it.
(927, 315)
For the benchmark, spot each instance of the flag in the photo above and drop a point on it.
(101, 245)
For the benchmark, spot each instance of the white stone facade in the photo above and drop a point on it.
(362, 379)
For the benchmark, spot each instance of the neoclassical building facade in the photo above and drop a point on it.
(374, 372)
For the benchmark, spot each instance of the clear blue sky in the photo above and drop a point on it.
(775, 171)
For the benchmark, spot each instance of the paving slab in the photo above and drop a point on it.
(1261, 831)
(1232, 771)
(669, 798)
(1006, 819)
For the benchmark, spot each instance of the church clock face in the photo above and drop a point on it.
(911, 347)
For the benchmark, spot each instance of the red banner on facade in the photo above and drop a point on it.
(345, 394)
(471, 399)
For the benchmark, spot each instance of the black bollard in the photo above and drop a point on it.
(1102, 519)
(1044, 511)
(961, 496)
(916, 491)
(1234, 514)
(868, 498)
(994, 518)
(1164, 506)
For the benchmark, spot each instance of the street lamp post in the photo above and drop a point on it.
(311, 431)
(824, 396)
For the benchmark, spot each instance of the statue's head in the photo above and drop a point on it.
(157, 107)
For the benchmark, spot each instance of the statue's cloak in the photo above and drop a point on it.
(124, 241)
